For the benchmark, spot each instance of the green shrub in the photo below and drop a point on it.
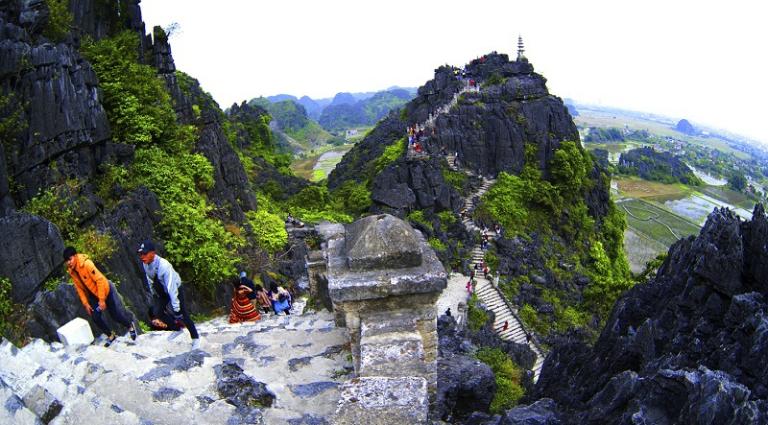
(97, 245)
(607, 283)
(137, 104)
(390, 154)
(57, 209)
(59, 20)
(197, 244)
(352, 198)
(437, 244)
(476, 316)
(11, 315)
(508, 375)
(491, 260)
(446, 218)
(417, 216)
(268, 229)
(494, 80)
(531, 320)
(456, 179)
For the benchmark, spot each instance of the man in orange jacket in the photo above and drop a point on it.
(96, 293)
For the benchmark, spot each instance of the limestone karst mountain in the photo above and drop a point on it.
(106, 143)
(81, 163)
(687, 347)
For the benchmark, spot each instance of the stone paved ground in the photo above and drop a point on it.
(453, 294)
(302, 359)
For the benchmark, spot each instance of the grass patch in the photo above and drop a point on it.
(656, 223)
(508, 375)
(724, 194)
(639, 188)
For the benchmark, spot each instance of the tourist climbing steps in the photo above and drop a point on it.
(302, 359)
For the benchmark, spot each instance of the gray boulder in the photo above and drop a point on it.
(29, 253)
(464, 385)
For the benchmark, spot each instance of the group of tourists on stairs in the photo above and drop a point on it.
(98, 295)
(168, 310)
(249, 298)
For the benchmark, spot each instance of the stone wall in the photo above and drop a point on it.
(383, 280)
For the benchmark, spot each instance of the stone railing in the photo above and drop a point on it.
(383, 280)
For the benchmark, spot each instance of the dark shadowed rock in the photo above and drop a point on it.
(241, 390)
(464, 385)
(30, 251)
(542, 412)
(312, 389)
(166, 394)
(688, 347)
(414, 185)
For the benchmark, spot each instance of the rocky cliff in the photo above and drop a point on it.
(490, 128)
(688, 347)
(56, 137)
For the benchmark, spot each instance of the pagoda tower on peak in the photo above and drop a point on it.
(521, 50)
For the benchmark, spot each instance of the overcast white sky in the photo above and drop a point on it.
(702, 60)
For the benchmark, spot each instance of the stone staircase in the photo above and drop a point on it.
(302, 359)
(487, 292)
(429, 123)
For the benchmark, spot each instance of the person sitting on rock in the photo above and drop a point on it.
(97, 294)
(262, 298)
(280, 298)
(250, 285)
(243, 309)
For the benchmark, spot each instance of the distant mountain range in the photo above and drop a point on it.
(315, 107)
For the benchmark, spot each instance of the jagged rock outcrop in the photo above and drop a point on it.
(60, 138)
(29, 253)
(490, 129)
(464, 384)
(688, 347)
(361, 157)
(61, 127)
(231, 189)
(99, 19)
(408, 185)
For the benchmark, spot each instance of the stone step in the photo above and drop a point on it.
(13, 410)
(157, 399)
(174, 380)
(80, 405)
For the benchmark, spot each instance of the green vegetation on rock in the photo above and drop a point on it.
(508, 376)
(476, 316)
(556, 209)
(59, 20)
(138, 105)
(390, 154)
(11, 314)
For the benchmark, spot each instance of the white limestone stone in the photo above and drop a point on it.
(76, 332)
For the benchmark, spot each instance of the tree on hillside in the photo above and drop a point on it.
(737, 182)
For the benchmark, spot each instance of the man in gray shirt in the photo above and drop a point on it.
(165, 286)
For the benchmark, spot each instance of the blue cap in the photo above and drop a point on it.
(242, 274)
(145, 247)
